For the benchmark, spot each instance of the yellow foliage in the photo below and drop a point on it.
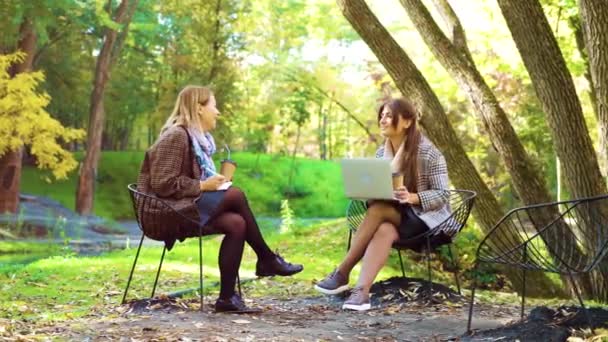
(24, 120)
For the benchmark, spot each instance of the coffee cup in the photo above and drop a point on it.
(397, 180)
(227, 168)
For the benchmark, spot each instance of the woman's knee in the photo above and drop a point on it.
(234, 225)
(236, 194)
(380, 209)
(388, 231)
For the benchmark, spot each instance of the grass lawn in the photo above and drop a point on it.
(67, 286)
(315, 190)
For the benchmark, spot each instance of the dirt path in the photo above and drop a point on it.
(307, 319)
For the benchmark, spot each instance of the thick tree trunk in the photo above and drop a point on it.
(453, 54)
(107, 55)
(594, 17)
(412, 84)
(10, 162)
(555, 89)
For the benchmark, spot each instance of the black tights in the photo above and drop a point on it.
(234, 218)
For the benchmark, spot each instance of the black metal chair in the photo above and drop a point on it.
(155, 218)
(460, 202)
(568, 238)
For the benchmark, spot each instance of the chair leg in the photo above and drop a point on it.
(523, 285)
(474, 284)
(350, 237)
(124, 297)
(200, 266)
(455, 265)
(158, 272)
(580, 299)
(428, 263)
(401, 263)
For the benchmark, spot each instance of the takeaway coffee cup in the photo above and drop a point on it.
(227, 168)
(397, 180)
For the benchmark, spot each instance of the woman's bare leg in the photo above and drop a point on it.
(376, 254)
(376, 214)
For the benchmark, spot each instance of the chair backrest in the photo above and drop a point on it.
(560, 237)
(460, 203)
(156, 218)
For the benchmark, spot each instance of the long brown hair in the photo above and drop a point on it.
(403, 109)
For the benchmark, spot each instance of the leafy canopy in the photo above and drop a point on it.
(24, 120)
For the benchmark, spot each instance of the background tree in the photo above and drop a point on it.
(25, 122)
(110, 51)
(594, 15)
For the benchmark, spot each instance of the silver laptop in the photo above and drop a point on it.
(367, 178)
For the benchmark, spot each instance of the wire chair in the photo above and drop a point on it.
(460, 202)
(567, 237)
(160, 221)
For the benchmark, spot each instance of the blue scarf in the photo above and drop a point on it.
(204, 147)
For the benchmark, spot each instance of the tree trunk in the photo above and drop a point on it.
(107, 55)
(453, 54)
(594, 17)
(10, 162)
(555, 90)
(411, 82)
(216, 43)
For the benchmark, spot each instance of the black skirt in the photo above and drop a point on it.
(411, 225)
(207, 204)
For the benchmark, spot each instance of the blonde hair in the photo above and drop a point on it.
(185, 111)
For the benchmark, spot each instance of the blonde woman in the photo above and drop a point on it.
(179, 168)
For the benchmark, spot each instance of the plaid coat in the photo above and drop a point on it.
(170, 172)
(432, 184)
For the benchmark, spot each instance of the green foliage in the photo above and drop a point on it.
(316, 190)
(286, 217)
(24, 120)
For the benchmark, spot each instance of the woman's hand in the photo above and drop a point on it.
(212, 183)
(404, 196)
(401, 194)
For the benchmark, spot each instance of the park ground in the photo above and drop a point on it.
(77, 297)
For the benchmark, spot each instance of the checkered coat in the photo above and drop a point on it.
(432, 184)
(170, 171)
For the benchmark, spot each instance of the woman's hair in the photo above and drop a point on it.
(403, 109)
(185, 110)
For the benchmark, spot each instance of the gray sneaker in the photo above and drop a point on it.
(334, 283)
(357, 300)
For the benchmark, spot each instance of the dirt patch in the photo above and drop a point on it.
(545, 324)
(402, 311)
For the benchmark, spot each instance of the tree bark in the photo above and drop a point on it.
(453, 54)
(10, 162)
(594, 17)
(555, 89)
(412, 83)
(107, 56)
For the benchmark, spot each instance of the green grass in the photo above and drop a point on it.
(66, 286)
(316, 189)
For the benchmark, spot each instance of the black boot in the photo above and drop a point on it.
(276, 265)
(234, 304)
